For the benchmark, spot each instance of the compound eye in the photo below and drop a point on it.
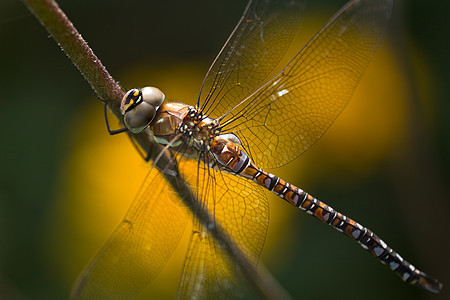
(153, 96)
(140, 117)
(130, 100)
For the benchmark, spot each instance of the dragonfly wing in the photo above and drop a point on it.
(241, 208)
(294, 109)
(139, 247)
(208, 273)
(251, 53)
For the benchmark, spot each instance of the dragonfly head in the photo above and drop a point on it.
(139, 107)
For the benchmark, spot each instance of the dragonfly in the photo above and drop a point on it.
(251, 115)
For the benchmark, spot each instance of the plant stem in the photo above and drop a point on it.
(72, 43)
(75, 47)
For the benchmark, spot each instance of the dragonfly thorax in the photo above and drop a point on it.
(184, 128)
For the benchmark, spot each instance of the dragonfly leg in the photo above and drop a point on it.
(145, 154)
(148, 155)
(111, 132)
(122, 86)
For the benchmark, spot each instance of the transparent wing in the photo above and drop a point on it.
(293, 110)
(139, 247)
(241, 208)
(251, 53)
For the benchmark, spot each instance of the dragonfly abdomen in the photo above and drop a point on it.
(364, 236)
(236, 161)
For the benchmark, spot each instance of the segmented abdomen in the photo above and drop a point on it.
(236, 161)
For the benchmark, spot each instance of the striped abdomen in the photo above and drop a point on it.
(235, 160)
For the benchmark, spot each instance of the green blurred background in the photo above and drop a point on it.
(385, 163)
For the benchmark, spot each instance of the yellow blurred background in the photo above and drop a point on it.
(66, 183)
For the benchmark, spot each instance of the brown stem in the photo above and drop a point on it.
(62, 30)
(72, 43)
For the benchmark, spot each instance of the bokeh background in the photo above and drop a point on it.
(65, 183)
